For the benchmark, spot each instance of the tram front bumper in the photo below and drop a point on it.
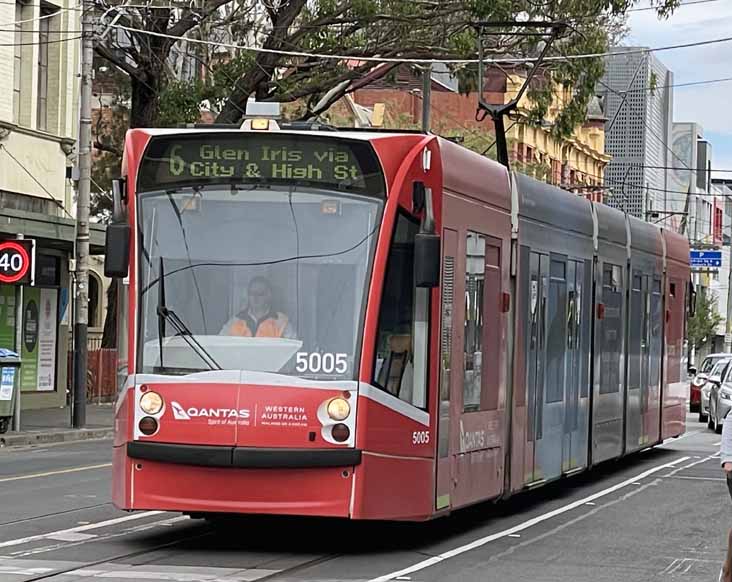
(206, 479)
(243, 457)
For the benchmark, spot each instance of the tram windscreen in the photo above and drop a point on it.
(263, 275)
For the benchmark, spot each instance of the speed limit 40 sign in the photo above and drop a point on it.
(17, 262)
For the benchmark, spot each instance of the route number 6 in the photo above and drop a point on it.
(326, 363)
(421, 437)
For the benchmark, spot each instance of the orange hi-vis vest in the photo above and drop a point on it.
(273, 325)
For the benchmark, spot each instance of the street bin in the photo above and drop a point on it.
(9, 386)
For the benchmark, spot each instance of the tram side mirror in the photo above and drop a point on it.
(427, 260)
(117, 250)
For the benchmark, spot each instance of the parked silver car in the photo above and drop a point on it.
(713, 377)
(699, 378)
(720, 395)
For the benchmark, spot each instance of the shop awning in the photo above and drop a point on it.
(50, 231)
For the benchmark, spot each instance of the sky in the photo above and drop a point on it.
(708, 105)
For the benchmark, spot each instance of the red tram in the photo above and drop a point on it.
(376, 325)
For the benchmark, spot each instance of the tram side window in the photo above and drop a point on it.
(474, 307)
(400, 320)
(611, 329)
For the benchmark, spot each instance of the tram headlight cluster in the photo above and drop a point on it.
(336, 415)
(151, 403)
(339, 409)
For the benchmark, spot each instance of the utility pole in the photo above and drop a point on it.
(426, 97)
(728, 326)
(81, 300)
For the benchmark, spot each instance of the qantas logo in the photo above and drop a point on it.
(180, 413)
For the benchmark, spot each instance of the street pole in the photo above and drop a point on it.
(18, 347)
(426, 97)
(81, 300)
(728, 326)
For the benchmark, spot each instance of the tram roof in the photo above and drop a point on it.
(366, 134)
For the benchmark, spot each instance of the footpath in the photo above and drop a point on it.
(53, 425)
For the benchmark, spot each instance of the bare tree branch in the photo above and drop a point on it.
(121, 63)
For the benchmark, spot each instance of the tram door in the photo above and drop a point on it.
(444, 480)
(643, 347)
(577, 369)
(547, 365)
(473, 338)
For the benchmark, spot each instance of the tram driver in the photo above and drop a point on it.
(257, 317)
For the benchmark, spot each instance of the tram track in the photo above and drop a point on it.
(121, 556)
(207, 531)
(55, 514)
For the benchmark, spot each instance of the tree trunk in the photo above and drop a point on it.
(109, 335)
(143, 113)
(144, 108)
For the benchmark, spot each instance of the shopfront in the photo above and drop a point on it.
(46, 314)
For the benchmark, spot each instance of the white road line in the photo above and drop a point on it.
(527, 524)
(79, 528)
(59, 472)
(98, 537)
(678, 438)
(698, 478)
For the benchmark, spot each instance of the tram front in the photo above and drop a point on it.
(251, 255)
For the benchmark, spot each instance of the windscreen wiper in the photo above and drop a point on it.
(166, 314)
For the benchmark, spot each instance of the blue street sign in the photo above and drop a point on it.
(705, 258)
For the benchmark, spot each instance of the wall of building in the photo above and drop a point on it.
(454, 114)
(39, 62)
(638, 97)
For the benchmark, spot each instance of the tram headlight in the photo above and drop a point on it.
(151, 403)
(148, 426)
(339, 409)
(341, 432)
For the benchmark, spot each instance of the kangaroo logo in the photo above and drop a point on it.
(178, 412)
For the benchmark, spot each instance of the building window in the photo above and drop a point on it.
(44, 28)
(17, 61)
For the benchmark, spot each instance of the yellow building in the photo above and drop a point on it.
(576, 163)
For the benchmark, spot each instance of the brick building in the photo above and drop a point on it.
(576, 163)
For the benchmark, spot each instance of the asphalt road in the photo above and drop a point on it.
(660, 515)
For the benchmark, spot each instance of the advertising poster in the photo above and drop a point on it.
(6, 383)
(47, 340)
(7, 317)
(29, 345)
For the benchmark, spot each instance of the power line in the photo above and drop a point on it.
(676, 85)
(27, 171)
(725, 170)
(41, 42)
(411, 60)
(36, 19)
(692, 3)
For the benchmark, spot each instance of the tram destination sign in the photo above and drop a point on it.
(705, 259)
(216, 158)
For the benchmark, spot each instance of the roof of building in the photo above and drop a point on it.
(596, 109)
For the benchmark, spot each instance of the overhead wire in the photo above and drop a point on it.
(37, 181)
(405, 60)
(37, 18)
(681, 5)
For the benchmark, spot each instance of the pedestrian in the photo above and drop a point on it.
(725, 457)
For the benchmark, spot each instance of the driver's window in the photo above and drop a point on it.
(400, 366)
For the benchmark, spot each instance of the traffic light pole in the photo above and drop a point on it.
(81, 299)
